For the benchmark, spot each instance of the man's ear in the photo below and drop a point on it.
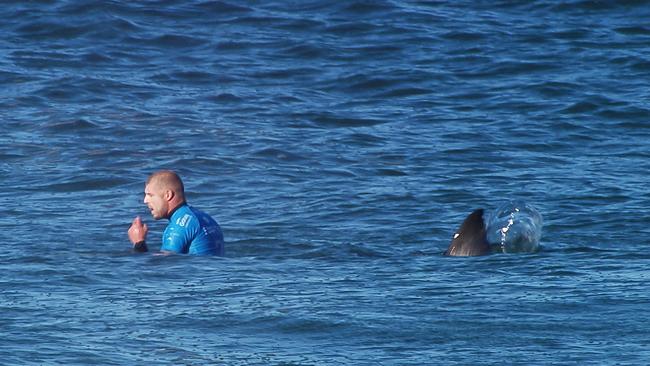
(169, 195)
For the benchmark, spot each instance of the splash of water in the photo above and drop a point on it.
(515, 227)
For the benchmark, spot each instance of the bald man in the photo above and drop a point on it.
(190, 231)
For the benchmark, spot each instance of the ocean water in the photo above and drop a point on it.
(339, 145)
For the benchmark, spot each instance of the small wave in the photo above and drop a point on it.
(331, 120)
(304, 51)
(641, 66)
(391, 173)
(183, 77)
(216, 163)
(119, 24)
(286, 73)
(80, 89)
(223, 7)
(309, 325)
(572, 34)
(630, 113)
(194, 76)
(278, 154)
(634, 30)
(584, 249)
(225, 98)
(4, 157)
(367, 7)
(178, 41)
(351, 28)
(593, 6)
(371, 52)
(96, 58)
(235, 45)
(406, 92)
(637, 125)
(399, 84)
(338, 252)
(257, 21)
(73, 125)
(365, 83)
(508, 68)
(82, 185)
(563, 273)
(364, 140)
(301, 25)
(581, 107)
(463, 36)
(10, 77)
(342, 173)
(42, 59)
(51, 31)
(554, 89)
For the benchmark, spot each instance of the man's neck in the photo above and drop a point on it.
(178, 205)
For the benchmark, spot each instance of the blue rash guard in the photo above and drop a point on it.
(191, 231)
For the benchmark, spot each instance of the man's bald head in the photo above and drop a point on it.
(163, 193)
(167, 180)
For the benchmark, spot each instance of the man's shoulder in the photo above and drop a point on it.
(182, 217)
(197, 212)
(189, 216)
(203, 217)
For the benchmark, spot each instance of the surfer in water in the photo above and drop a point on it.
(190, 231)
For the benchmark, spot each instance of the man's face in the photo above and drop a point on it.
(154, 199)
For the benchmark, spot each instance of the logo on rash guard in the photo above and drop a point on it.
(183, 220)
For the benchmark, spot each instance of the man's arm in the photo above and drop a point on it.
(177, 239)
(174, 242)
(138, 235)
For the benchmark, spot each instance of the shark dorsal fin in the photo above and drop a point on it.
(470, 238)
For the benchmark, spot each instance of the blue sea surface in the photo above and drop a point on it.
(339, 145)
